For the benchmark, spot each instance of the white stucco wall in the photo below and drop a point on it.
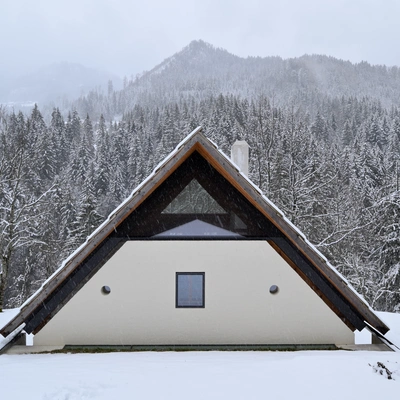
(238, 306)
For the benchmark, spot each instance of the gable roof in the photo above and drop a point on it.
(141, 216)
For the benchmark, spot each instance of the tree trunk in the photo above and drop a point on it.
(2, 289)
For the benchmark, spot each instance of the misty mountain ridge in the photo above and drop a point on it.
(54, 83)
(201, 70)
(196, 55)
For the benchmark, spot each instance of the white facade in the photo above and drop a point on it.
(239, 309)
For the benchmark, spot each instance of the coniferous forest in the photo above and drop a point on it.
(324, 139)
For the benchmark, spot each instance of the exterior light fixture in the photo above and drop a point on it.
(106, 290)
(274, 289)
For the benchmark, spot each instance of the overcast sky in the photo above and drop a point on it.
(129, 36)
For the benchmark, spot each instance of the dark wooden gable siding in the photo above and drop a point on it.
(148, 219)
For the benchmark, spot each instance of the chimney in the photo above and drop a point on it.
(240, 156)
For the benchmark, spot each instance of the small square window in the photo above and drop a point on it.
(189, 289)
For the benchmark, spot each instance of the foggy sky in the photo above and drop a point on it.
(129, 36)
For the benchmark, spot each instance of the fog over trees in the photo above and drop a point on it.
(324, 139)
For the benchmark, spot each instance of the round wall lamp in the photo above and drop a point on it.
(106, 290)
(274, 289)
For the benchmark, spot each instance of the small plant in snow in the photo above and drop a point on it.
(380, 368)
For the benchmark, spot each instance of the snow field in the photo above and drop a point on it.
(241, 375)
(199, 375)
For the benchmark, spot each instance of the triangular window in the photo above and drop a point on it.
(193, 199)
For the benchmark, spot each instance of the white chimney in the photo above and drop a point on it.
(240, 156)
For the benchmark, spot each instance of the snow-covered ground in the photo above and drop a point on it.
(203, 375)
(200, 375)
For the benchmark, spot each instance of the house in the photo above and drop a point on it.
(195, 256)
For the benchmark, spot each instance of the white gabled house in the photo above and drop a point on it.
(196, 256)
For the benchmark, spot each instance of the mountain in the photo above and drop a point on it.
(54, 83)
(201, 70)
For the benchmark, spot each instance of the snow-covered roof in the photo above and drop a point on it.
(311, 265)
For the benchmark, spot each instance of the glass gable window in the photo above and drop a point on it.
(193, 199)
(189, 290)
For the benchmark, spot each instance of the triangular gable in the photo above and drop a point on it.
(242, 209)
(212, 199)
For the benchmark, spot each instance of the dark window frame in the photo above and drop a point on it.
(177, 289)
